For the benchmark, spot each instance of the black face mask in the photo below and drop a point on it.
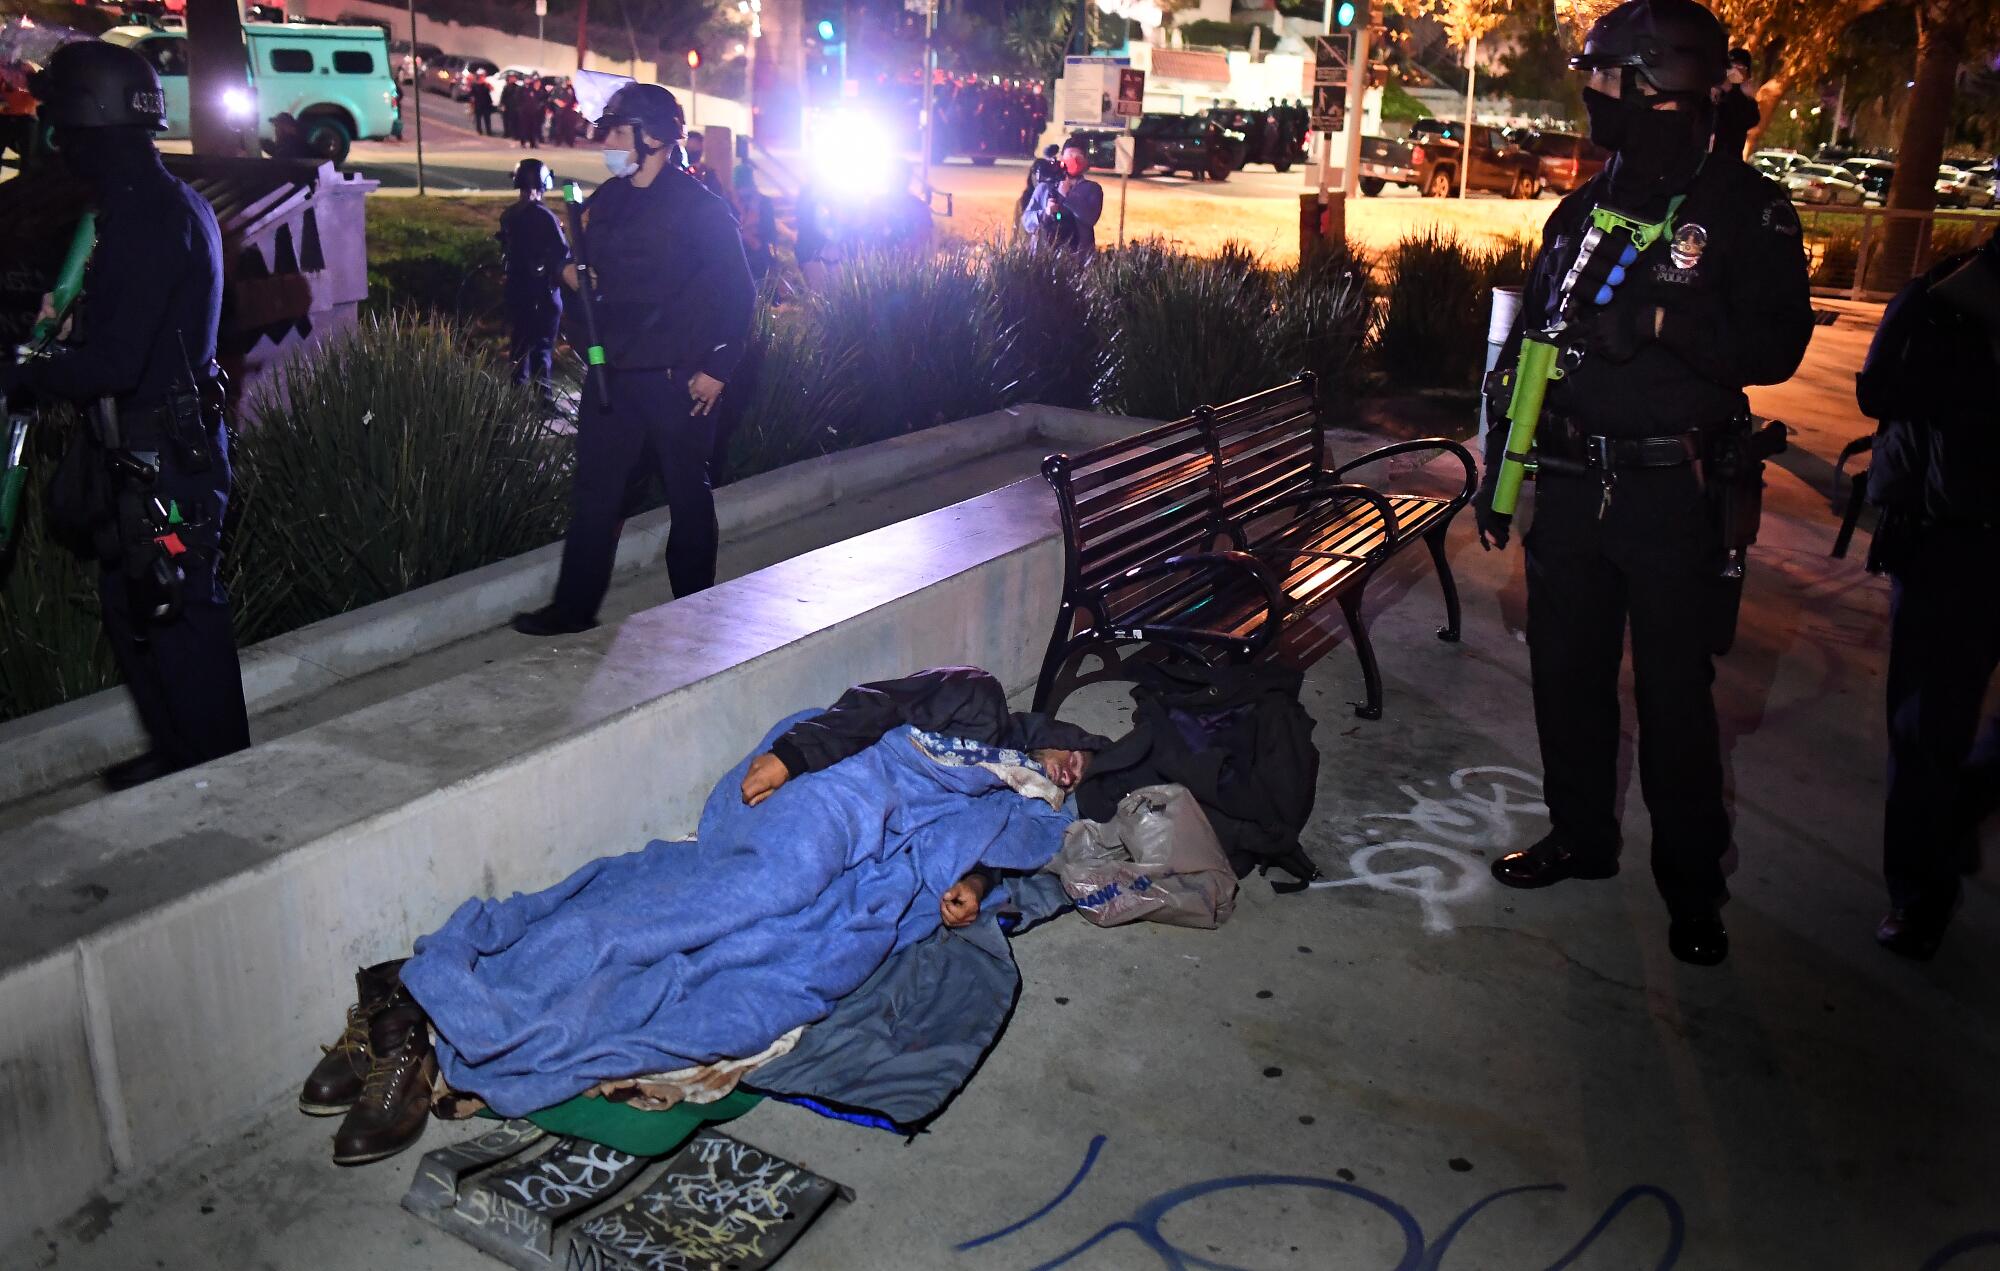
(106, 158)
(1658, 151)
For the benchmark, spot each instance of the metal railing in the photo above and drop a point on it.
(1868, 253)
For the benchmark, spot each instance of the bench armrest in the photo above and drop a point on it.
(1443, 444)
(1392, 532)
(1274, 597)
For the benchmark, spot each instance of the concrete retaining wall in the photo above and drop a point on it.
(60, 745)
(171, 957)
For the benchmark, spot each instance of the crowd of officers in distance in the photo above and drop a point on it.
(532, 109)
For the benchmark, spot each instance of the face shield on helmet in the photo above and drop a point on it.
(1677, 47)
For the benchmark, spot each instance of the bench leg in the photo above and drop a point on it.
(1434, 539)
(1057, 657)
(1371, 674)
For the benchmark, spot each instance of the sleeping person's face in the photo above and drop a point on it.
(1065, 767)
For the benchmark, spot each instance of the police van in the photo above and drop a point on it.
(334, 80)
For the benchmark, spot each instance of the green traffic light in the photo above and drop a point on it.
(826, 28)
(1344, 14)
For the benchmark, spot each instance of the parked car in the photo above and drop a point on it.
(443, 73)
(1874, 182)
(1269, 136)
(405, 73)
(334, 80)
(1964, 186)
(1429, 161)
(1567, 160)
(1200, 147)
(1824, 183)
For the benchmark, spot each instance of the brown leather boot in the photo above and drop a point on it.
(335, 1081)
(395, 1100)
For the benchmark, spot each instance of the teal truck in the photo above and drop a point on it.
(335, 80)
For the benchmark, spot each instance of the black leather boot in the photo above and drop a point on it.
(395, 1100)
(335, 1081)
(1549, 862)
(1695, 934)
(1916, 930)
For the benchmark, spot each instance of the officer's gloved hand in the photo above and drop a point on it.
(1617, 332)
(1494, 527)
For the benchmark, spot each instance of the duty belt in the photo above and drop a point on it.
(1599, 454)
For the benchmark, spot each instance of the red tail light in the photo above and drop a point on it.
(1416, 154)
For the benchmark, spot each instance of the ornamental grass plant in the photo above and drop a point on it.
(387, 458)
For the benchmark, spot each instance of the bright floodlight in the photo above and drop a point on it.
(237, 103)
(854, 156)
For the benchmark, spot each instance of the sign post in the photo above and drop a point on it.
(1131, 105)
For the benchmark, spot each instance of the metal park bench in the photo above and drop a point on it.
(1215, 536)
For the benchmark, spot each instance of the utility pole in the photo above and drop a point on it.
(930, 90)
(541, 30)
(582, 30)
(417, 96)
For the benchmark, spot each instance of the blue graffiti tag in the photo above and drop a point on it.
(1416, 1256)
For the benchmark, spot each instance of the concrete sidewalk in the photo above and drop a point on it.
(1410, 1067)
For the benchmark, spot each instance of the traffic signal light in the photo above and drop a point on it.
(1349, 14)
(829, 31)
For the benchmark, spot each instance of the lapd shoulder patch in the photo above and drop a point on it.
(1781, 217)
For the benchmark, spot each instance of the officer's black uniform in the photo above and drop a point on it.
(673, 298)
(146, 330)
(1719, 303)
(535, 250)
(1929, 378)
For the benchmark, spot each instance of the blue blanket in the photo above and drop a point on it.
(683, 953)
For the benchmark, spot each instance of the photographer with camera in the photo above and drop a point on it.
(1063, 213)
(144, 486)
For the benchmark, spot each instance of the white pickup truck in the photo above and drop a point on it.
(333, 79)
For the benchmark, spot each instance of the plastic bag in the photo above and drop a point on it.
(1156, 860)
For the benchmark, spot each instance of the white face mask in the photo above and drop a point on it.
(620, 163)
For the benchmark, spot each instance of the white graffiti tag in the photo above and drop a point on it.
(1482, 809)
(552, 1186)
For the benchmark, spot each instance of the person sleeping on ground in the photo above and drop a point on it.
(846, 836)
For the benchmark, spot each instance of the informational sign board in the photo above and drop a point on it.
(1131, 93)
(541, 8)
(1329, 108)
(1087, 95)
(1331, 55)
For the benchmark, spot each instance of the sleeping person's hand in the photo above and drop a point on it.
(767, 773)
(961, 904)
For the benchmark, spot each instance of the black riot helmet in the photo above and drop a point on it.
(92, 84)
(650, 109)
(533, 174)
(1677, 46)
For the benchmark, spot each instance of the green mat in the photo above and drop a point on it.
(627, 1129)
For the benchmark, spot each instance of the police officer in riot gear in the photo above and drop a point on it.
(1656, 353)
(534, 250)
(1929, 378)
(152, 475)
(673, 297)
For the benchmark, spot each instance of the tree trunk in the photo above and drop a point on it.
(1769, 94)
(1941, 41)
(779, 95)
(216, 67)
